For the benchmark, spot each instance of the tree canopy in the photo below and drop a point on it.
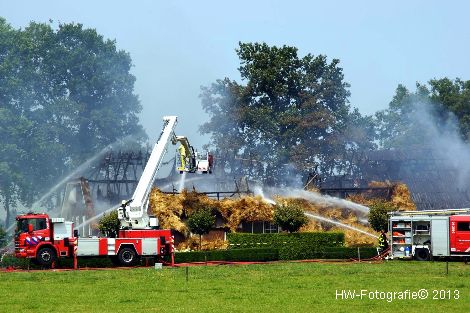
(65, 93)
(378, 218)
(454, 96)
(109, 224)
(201, 222)
(3, 238)
(289, 217)
(292, 113)
(443, 100)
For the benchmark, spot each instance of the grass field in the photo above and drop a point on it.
(276, 287)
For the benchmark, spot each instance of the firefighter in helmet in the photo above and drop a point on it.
(383, 242)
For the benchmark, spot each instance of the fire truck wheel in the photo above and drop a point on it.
(127, 256)
(46, 256)
(422, 254)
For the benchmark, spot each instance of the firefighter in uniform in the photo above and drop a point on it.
(383, 243)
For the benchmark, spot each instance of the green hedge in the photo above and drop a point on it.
(11, 260)
(253, 254)
(278, 240)
(273, 254)
(300, 246)
(250, 254)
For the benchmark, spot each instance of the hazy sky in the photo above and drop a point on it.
(177, 46)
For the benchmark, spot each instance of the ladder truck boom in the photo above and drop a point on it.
(133, 213)
(45, 240)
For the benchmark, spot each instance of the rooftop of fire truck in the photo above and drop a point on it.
(31, 215)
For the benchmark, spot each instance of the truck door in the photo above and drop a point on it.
(460, 234)
(440, 235)
(40, 230)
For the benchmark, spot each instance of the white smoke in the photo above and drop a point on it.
(122, 142)
(258, 191)
(443, 139)
(319, 199)
(315, 197)
(327, 220)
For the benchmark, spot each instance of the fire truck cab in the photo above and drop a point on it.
(460, 234)
(43, 239)
(423, 235)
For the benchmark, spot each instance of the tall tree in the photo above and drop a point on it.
(358, 136)
(454, 96)
(289, 217)
(65, 93)
(442, 99)
(201, 222)
(289, 115)
(15, 127)
(396, 123)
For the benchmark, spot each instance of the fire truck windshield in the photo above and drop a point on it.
(22, 224)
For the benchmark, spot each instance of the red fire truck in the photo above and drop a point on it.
(423, 235)
(44, 239)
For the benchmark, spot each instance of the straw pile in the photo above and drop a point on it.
(172, 211)
(342, 215)
(400, 196)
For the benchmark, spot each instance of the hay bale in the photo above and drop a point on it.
(401, 198)
(172, 210)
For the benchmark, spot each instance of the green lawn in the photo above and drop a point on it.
(276, 287)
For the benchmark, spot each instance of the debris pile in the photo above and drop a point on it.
(400, 196)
